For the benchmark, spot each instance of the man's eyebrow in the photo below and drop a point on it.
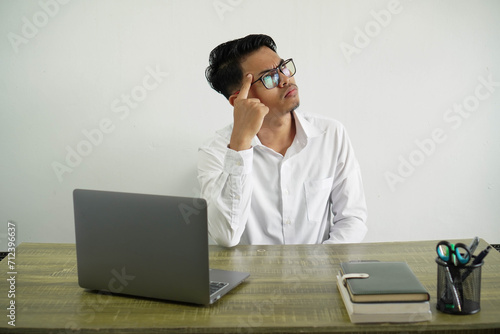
(269, 69)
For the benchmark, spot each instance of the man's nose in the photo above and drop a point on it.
(284, 80)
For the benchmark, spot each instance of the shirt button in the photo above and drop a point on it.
(288, 222)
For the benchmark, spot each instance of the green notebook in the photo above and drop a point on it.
(388, 282)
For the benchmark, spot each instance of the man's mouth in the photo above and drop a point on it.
(292, 91)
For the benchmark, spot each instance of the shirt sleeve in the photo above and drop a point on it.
(349, 209)
(347, 198)
(225, 177)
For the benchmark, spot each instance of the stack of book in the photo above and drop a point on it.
(389, 292)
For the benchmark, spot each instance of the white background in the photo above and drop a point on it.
(66, 67)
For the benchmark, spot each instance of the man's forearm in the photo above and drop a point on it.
(350, 211)
(228, 190)
(349, 230)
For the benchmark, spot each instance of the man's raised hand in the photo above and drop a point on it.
(248, 115)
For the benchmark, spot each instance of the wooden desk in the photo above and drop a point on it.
(291, 289)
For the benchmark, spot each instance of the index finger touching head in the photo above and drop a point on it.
(247, 82)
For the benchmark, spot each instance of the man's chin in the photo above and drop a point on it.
(295, 107)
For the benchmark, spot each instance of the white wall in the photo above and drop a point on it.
(68, 66)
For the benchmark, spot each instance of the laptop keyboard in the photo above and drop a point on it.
(216, 286)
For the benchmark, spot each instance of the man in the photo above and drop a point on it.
(276, 176)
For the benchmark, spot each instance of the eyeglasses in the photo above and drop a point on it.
(271, 79)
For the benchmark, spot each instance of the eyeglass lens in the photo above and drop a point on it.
(272, 79)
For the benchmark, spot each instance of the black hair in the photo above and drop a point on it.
(224, 73)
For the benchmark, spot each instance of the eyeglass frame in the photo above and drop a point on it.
(280, 68)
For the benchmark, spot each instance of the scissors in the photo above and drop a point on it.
(453, 254)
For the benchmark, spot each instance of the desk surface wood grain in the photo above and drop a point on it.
(291, 289)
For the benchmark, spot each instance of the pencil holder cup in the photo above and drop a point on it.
(458, 288)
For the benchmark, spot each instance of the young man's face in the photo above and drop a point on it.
(282, 99)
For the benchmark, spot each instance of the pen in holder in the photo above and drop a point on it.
(458, 287)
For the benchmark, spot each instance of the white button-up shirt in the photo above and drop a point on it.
(313, 194)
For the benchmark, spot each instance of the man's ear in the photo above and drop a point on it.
(232, 98)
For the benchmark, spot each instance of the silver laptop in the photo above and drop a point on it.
(148, 246)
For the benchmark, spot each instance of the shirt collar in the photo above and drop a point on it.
(306, 128)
